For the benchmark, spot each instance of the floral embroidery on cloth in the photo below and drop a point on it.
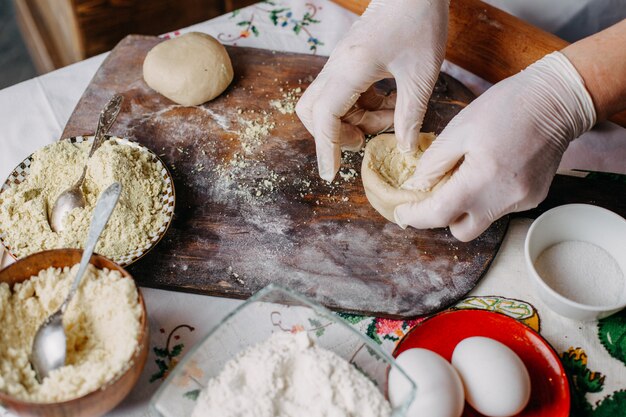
(167, 357)
(281, 16)
(612, 335)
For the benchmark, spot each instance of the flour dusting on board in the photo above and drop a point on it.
(221, 120)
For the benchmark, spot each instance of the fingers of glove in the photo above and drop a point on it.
(469, 226)
(425, 215)
(487, 209)
(304, 107)
(327, 131)
(341, 91)
(442, 155)
(492, 201)
(373, 100)
(334, 100)
(370, 122)
(443, 207)
(350, 71)
(351, 138)
(328, 159)
(412, 99)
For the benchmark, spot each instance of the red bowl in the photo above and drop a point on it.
(550, 395)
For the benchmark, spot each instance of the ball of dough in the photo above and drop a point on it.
(190, 69)
(385, 169)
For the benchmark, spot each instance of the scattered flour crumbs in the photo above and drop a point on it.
(288, 375)
(245, 172)
(137, 217)
(287, 105)
(102, 324)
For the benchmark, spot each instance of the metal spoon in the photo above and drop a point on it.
(49, 344)
(73, 197)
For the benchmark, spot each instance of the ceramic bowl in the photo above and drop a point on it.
(273, 309)
(167, 197)
(95, 403)
(576, 222)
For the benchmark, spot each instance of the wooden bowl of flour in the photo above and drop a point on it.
(105, 398)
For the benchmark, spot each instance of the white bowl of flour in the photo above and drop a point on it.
(576, 257)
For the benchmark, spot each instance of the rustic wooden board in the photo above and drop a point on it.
(322, 240)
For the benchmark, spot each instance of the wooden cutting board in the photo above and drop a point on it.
(271, 220)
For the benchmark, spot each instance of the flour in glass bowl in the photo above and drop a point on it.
(288, 375)
(582, 272)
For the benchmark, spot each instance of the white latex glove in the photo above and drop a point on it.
(510, 141)
(404, 39)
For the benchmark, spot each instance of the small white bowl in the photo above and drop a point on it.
(576, 222)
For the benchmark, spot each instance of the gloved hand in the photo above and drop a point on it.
(405, 39)
(510, 141)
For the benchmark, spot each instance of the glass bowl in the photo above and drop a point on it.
(273, 309)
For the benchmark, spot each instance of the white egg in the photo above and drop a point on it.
(496, 381)
(439, 388)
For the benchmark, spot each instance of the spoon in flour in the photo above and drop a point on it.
(73, 197)
(49, 344)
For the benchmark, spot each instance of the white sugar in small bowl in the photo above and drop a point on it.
(576, 257)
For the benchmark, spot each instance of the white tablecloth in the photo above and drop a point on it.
(33, 114)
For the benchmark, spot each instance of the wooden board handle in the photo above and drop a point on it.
(489, 42)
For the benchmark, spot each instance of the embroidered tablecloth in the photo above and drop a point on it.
(33, 113)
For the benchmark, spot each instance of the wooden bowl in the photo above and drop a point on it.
(105, 398)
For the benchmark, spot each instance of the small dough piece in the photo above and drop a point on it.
(190, 69)
(385, 169)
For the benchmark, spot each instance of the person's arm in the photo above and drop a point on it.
(601, 62)
(509, 141)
